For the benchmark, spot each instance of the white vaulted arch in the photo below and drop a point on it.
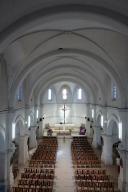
(95, 13)
(34, 64)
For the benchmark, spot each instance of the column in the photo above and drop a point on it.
(106, 156)
(23, 150)
(96, 137)
(2, 170)
(88, 123)
(35, 114)
(91, 131)
(32, 137)
(124, 120)
(9, 148)
(5, 158)
(40, 127)
(123, 175)
(12, 150)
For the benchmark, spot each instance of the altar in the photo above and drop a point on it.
(64, 129)
(65, 125)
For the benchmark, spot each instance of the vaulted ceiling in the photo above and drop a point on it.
(85, 42)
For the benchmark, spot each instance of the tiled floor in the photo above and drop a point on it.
(64, 181)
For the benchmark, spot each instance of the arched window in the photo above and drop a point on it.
(114, 92)
(20, 93)
(92, 113)
(102, 121)
(79, 94)
(29, 121)
(120, 130)
(64, 94)
(13, 131)
(49, 94)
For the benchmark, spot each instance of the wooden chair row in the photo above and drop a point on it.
(89, 175)
(39, 175)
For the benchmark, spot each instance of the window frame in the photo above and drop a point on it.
(114, 92)
(64, 95)
(79, 94)
(49, 94)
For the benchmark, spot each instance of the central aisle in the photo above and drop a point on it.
(64, 181)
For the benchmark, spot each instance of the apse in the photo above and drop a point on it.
(67, 103)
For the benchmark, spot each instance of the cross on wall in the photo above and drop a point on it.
(65, 109)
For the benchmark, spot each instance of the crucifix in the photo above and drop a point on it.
(64, 109)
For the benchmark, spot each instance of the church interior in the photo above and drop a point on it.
(64, 96)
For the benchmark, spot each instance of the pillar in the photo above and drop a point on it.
(123, 175)
(2, 170)
(6, 157)
(91, 131)
(96, 137)
(9, 148)
(35, 114)
(23, 150)
(123, 151)
(32, 137)
(88, 123)
(11, 176)
(107, 150)
(40, 128)
(12, 150)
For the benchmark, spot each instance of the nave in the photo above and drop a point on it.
(64, 164)
(64, 181)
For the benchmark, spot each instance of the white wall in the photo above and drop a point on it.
(53, 110)
(75, 113)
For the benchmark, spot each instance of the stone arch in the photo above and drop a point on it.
(98, 118)
(29, 69)
(109, 17)
(113, 128)
(19, 127)
(113, 131)
(112, 121)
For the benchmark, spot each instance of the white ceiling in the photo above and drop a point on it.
(83, 47)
